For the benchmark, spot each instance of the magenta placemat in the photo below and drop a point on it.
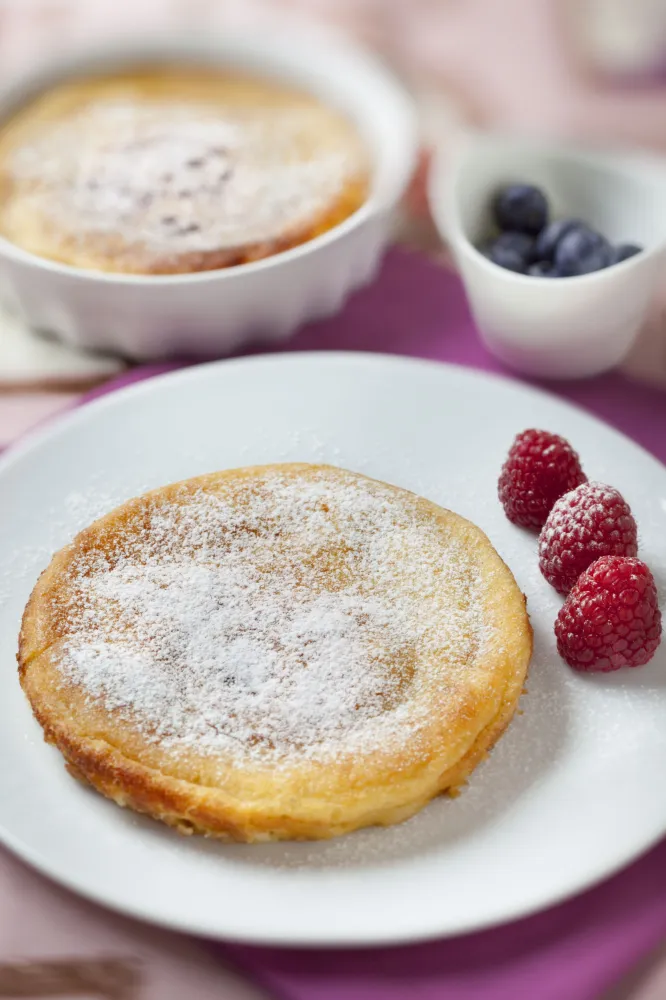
(578, 949)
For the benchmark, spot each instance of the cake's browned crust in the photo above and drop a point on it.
(311, 800)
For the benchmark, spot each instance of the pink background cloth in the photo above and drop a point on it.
(55, 938)
(572, 952)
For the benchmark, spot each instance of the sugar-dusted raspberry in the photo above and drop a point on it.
(538, 470)
(589, 522)
(611, 618)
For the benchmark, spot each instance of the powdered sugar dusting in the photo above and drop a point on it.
(580, 510)
(282, 617)
(177, 178)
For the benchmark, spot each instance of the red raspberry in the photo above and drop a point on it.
(589, 522)
(611, 618)
(538, 470)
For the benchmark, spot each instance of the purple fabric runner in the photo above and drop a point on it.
(580, 948)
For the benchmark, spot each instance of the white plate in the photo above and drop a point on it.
(572, 792)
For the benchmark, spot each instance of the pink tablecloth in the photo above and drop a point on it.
(572, 952)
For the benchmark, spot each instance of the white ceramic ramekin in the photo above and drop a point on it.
(555, 327)
(214, 312)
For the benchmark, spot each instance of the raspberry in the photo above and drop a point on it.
(611, 618)
(591, 521)
(538, 470)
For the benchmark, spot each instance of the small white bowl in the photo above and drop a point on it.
(213, 312)
(554, 327)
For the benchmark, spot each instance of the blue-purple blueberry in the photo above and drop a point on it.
(581, 251)
(550, 236)
(623, 252)
(505, 256)
(521, 208)
(522, 243)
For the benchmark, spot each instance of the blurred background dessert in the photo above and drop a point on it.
(592, 70)
(170, 169)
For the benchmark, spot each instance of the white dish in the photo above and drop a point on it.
(554, 328)
(568, 796)
(213, 312)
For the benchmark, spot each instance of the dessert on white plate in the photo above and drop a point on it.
(558, 766)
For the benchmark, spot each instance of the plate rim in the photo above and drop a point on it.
(54, 425)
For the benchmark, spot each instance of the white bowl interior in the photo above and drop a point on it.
(624, 198)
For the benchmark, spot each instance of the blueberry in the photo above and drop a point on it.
(623, 252)
(522, 208)
(581, 251)
(543, 269)
(548, 238)
(505, 255)
(520, 242)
